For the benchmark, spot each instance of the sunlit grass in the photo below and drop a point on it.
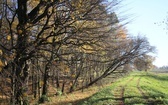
(151, 89)
(156, 86)
(132, 93)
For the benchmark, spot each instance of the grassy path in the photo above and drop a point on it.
(144, 94)
(139, 88)
(119, 93)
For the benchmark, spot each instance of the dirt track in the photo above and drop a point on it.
(119, 93)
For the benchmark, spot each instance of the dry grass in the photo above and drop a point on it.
(73, 98)
(66, 99)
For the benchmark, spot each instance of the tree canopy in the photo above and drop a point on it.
(74, 43)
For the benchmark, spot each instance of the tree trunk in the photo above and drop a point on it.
(13, 83)
(75, 81)
(63, 86)
(57, 79)
(19, 84)
(45, 80)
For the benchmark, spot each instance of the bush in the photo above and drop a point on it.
(59, 93)
(43, 99)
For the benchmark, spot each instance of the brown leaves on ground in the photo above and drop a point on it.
(73, 98)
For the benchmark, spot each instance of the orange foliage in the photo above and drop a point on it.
(122, 33)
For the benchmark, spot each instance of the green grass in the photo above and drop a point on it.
(152, 89)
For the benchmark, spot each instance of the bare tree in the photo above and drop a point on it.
(76, 42)
(35, 27)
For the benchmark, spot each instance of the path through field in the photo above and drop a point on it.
(132, 93)
(119, 93)
(138, 88)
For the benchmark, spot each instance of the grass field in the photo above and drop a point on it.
(139, 88)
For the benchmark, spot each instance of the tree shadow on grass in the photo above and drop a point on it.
(113, 101)
(143, 100)
(101, 101)
(106, 100)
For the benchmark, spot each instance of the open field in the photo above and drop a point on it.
(138, 88)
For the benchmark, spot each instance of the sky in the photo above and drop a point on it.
(143, 15)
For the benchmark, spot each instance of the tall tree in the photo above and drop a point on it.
(80, 41)
(34, 27)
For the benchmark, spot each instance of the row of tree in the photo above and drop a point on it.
(71, 44)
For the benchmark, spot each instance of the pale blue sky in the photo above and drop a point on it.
(144, 14)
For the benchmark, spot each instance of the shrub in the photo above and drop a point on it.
(43, 99)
